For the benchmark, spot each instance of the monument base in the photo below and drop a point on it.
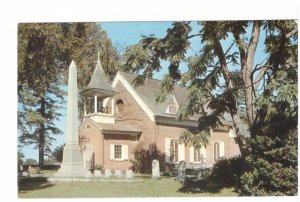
(72, 165)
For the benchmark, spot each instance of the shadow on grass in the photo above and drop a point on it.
(33, 183)
(195, 186)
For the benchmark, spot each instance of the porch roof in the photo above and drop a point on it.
(120, 128)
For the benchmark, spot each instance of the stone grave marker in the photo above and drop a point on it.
(129, 174)
(98, 173)
(107, 173)
(33, 170)
(181, 177)
(155, 169)
(88, 174)
(118, 173)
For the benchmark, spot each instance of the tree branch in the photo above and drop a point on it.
(292, 33)
(193, 35)
(259, 77)
(263, 69)
(222, 59)
(242, 55)
(229, 49)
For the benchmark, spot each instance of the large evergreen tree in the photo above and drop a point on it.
(39, 77)
(45, 51)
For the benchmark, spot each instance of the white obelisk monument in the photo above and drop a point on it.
(72, 165)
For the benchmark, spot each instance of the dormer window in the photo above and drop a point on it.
(172, 105)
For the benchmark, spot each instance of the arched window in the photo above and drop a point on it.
(218, 151)
(120, 105)
(174, 150)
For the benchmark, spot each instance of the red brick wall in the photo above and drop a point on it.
(231, 148)
(133, 114)
(118, 139)
(95, 137)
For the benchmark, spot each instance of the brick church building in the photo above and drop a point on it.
(122, 116)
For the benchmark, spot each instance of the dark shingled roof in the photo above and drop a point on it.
(99, 83)
(152, 87)
(119, 128)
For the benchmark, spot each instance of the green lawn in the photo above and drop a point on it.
(165, 187)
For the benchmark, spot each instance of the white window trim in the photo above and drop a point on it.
(222, 151)
(202, 150)
(176, 139)
(115, 153)
(181, 150)
(124, 153)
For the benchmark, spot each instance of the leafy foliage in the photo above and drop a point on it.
(44, 52)
(208, 70)
(228, 171)
(57, 154)
(39, 77)
(273, 149)
(30, 161)
(225, 76)
(82, 42)
(144, 154)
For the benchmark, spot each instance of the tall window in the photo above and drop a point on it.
(218, 150)
(174, 150)
(197, 155)
(118, 151)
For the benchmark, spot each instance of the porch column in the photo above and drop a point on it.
(95, 104)
(84, 106)
(112, 106)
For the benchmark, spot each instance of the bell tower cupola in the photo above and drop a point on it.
(97, 95)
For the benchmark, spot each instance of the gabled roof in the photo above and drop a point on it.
(151, 89)
(99, 83)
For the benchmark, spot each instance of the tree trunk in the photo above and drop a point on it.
(237, 123)
(248, 72)
(41, 152)
(42, 134)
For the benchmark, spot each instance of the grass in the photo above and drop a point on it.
(39, 187)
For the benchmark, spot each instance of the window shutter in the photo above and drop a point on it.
(203, 153)
(222, 151)
(167, 150)
(125, 152)
(112, 152)
(181, 154)
(191, 154)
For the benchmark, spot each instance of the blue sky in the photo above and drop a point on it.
(124, 34)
